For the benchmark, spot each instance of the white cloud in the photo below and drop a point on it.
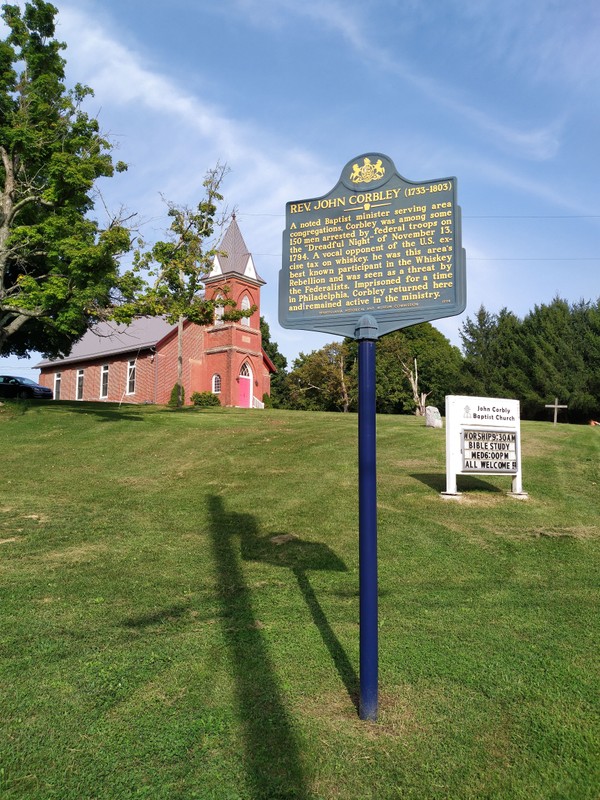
(187, 134)
(539, 143)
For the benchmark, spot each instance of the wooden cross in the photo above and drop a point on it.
(555, 406)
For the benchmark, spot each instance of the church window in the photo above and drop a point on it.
(57, 382)
(245, 370)
(219, 311)
(245, 306)
(79, 394)
(104, 381)
(216, 384)
(131, 377)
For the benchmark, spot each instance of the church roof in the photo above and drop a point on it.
(233, 257)
(110, 338)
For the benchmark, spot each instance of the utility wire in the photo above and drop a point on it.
(471, 216)
(474, 258)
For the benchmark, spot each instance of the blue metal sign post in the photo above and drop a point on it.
(367, 513)
(377, 254)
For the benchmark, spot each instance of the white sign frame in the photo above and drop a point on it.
(483, 437)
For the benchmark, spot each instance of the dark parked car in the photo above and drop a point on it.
(22, 387)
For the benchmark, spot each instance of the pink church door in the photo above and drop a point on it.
(245, 387)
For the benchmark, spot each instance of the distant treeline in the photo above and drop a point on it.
(554, 351)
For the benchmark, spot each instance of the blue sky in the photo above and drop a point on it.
(504, 96)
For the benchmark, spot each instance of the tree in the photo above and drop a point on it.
(438, 368)
(497, 362)
(477, 336)
(168, 278)
(58, 268)
(586, 323)
(319, 381)
(557, 360)
(279, 383)
(327, 379)
(419, 397)
(553, 352)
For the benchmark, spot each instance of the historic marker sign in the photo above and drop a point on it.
(376, 245)
(376, 254)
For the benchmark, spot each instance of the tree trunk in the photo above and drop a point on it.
(419, 398)
(180, 362)
(345, 398)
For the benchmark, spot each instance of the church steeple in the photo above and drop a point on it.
(233, 258)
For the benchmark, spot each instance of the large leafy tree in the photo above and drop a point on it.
(327, 379)
(438, 361)
(321, 381)
(57, 266)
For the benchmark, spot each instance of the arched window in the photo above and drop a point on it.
(245, 371)
(246, 304)
(219, 311)
(216, 384)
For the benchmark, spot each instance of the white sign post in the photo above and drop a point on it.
(483, 437)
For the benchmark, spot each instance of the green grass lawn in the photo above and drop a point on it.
(179, 611)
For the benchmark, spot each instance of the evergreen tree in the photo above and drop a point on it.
(586, 321)
(556, 336)
(477, 336)
(280, 394)
(553, 352)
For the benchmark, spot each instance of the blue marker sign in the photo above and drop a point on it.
(376, 254)
(376, 245)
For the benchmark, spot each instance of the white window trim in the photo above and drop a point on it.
(245, 305)
(216, 383)
(131, 367)
(57, 380)
(80, 374)
(103, 372)
(219, 312)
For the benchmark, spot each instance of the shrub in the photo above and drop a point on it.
(205, 399)
(174, 394)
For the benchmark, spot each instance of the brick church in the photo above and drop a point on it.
(137, 363)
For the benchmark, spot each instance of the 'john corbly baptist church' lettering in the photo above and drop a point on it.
(494, 413)
(365, 250)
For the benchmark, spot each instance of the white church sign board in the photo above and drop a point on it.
(483, 437)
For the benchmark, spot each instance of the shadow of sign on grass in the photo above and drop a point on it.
(104, 411)
(302, 557)
(437, 481)
(272, 756)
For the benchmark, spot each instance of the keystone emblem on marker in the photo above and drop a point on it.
(368, 172)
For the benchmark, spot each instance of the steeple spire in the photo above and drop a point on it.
(233, 257)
